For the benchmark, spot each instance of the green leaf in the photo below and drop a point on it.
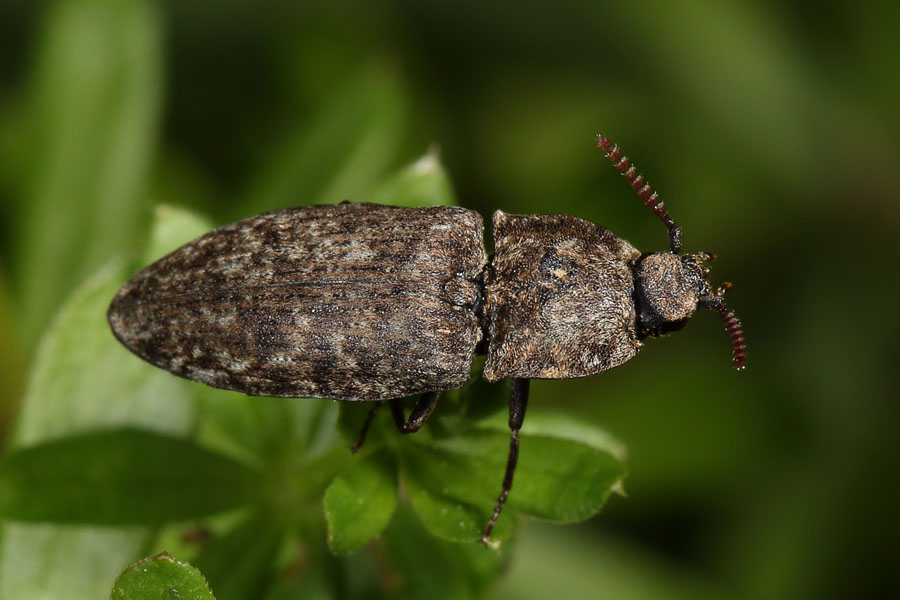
(126, 476)
(566, 469)
(424, 567)
(172, 228)
(84, 378)
(453, 470)
(94, 96)
(264, 431)
(161, 577)
(565, 473)
(360, 501)
(240, 564)
(12, 361)
(48, 561)
(565, 427)
(452, 494)
(563, 480)
(423, 183)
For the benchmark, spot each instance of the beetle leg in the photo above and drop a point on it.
(518, 401)
(420, 412)
(365, 428)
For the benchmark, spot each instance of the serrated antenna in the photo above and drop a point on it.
(716, 302)
(650, 198)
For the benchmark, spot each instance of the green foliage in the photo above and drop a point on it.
(426, 568)
(120, 477)
(161, 577)
(93, 110)
(77, 352)
(81, 383)
(771, 132)
(360, 502)
(423, 182)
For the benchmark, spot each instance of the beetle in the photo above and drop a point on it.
(364, 302)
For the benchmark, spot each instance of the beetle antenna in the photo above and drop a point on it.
(716, 302)
(650, 198)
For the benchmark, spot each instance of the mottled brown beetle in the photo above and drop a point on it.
(362, 302)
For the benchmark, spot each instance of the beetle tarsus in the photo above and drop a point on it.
(518, 402)
(425, 405)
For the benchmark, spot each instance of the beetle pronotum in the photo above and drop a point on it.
(363, 302)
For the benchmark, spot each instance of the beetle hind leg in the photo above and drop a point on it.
(419, 415)
(518, 402)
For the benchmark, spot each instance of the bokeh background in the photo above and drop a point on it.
(771, 130)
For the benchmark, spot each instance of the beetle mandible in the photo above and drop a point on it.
(364, 302)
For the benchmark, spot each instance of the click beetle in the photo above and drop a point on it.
(364, 302)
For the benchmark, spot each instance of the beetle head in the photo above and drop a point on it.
(669, 287)
(667, 290)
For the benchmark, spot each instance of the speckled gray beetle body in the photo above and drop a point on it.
(363, 302)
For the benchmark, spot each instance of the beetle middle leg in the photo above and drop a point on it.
(518, 402)
(365, 428)
(421, 411)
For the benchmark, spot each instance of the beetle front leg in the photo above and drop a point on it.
(518, 402)
(420, 412)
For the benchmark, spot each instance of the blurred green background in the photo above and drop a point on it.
(771, 130)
